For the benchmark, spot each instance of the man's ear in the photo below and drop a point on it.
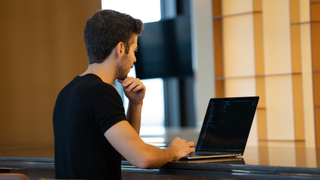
(120, 49)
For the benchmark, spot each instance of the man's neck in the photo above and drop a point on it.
(106, 71)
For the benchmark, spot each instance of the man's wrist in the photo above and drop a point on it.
(136, 103)
(173, 153)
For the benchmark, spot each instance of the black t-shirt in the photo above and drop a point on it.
(85, 109)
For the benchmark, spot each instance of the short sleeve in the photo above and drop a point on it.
(107, 108)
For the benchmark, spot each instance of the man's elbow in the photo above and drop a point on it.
(145, 162)
(143, 165)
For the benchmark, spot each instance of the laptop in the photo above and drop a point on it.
(226, 127)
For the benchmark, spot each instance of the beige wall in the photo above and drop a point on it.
(270, 48)
(41, 49)
(266, 48)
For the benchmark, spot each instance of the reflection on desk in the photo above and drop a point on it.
(271, 162)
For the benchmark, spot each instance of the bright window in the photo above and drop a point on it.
(146, 10)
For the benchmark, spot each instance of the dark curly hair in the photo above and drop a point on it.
(105, 29)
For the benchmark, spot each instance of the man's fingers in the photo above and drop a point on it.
(192, 151)
(137, 88)
(126, 82)
(131, 83)
(134, 86)
(131, 86)
(191, 144)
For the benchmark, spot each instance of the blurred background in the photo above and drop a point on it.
(199, 49)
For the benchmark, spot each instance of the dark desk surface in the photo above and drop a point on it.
(287, 161)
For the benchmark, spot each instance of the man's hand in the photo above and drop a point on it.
(134, 89)
(128, 143)
(182, 147)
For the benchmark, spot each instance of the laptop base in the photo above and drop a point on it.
(209, 156)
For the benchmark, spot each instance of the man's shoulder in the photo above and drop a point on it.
(89, 83)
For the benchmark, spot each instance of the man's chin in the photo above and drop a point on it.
(123, 77)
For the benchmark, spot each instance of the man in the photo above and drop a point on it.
(91, 129)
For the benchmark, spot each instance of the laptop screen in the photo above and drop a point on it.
(227, 125)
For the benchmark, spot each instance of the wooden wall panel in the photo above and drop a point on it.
(260, 79)
(238, 46)
(285, 79)
(258, 44)
(218, 55)
(42, 49)
(316, 85)
(276, 28)
(306, 67)
(279, 104)
(277, 58)
(298, 110)
(315, 29)
(231, 7)
(240, 87)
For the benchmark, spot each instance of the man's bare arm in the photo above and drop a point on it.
(134, 90)
(128, 143)
(134, 116)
